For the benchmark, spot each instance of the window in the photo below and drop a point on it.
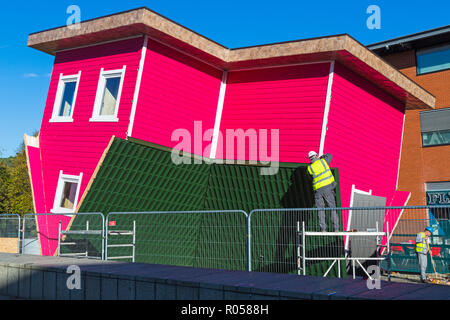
(66, 195)
(438, 194)
(108, 95)
(435, 127)
(433, 59)
(65, 98)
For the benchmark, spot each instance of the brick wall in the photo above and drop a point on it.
(420, 165)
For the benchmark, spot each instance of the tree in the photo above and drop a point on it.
(15, 188)
(3, 186)
(19, 198)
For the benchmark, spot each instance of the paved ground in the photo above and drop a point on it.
(403, 277)
(9, 298)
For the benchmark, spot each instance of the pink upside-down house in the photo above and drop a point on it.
(137, 74)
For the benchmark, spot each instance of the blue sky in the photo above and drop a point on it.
(25, 72)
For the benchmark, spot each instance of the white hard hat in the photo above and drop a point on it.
(312, 154)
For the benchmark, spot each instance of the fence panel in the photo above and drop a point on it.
(204, 239)
(41, 234)
(275, 241)
(403, 256)
(9, 233)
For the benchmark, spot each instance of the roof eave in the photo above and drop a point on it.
(341, 48)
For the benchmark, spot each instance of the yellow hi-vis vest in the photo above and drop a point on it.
(422, 245)
(321, 173)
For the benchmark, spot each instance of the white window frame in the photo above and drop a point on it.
(349, 218)
(63, 178)
(96, 117)
(352, 196)
(59, 95)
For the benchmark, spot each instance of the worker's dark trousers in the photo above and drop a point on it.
(320, 197)
(422, 258)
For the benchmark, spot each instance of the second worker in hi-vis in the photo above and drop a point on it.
(323, 185)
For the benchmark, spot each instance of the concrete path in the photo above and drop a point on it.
(38, 277)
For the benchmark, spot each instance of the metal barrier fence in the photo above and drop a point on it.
(9, 233)
(204, 239)
(403, 256)
(269, 240)
(276, 240)
(64, 234)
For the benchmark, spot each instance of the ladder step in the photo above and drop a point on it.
(120, 245)
(120, 233)
(82, 232)
(122, 257)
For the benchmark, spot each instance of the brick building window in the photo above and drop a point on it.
(433, 59)
(435, 127)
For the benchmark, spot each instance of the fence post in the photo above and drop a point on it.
(389, 251)
(303, 247)
(106, 237)
(59, 238)
(249, 242)
(103, 236)
(18, 235)
(23, 232)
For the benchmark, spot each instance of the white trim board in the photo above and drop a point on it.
(215, 139)
(327, 108)
(137, 88)
(391, 231)
(31, 141)
(400, 155)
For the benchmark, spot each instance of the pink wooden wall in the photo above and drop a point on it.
(364, 123)
(77, 146)
(176, 90)
(291, 99)
(364, 135)
(34, 162)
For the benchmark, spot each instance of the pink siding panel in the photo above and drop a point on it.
(364, 135)
(176, 90)
(48, 231)
(399, 199)
(76, 147)
(290, 99)
(34, 160)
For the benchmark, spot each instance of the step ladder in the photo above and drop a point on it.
(119, 233)
(87, 232)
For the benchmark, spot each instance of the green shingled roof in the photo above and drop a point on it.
(137, 176)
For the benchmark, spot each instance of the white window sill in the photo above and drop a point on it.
(62, 211)
(61, 119)
(104, 119)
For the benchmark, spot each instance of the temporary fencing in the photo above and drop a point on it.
(204, 239)
(77, 235)
(280, 240)
(9, 233)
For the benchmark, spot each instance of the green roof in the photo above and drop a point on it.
(137, 176)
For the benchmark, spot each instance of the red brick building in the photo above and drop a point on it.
(425, 159)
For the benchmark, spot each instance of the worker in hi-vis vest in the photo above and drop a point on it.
(422, 248)
(323, 185)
